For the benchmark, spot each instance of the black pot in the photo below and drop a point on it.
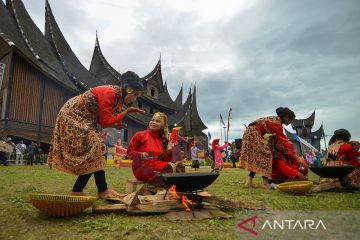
(186, 182)
(332, 171)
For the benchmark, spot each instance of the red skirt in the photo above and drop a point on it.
(147, 170)
(283, 169)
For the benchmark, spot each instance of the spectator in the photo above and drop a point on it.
(20, 151)
(309, 157)
(32, 149)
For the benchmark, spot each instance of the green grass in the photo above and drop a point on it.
(20, 220)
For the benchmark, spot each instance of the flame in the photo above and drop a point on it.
(183, 199)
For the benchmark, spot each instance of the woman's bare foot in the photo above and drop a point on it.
(109, 193)
(249, 182)
(266, 184)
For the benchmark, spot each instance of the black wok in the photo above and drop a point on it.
(186, 182)
(332, 171)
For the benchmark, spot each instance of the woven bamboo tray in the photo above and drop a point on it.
(61, 205)
(297, 187)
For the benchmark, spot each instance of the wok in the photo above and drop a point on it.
(332, 171)
(187, 182)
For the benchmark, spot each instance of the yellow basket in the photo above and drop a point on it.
(297, 187)
(61, 205)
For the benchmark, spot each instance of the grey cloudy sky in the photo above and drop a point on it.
(253, 56)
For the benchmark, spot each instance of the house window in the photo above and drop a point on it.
(140, 105)
(152, 92)
(151, 110)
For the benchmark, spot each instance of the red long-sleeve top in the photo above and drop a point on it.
(277, 128)
(108, 101)
(150, 142)
(349, 153)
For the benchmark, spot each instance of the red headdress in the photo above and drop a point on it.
(215, 142)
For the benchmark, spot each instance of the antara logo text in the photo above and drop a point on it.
(286, 224)
(291, 224)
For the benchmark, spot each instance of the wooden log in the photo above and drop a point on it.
(109, 208)
(199, 214)
(131, 185)
(159, 206)
(131, 199)
(234, 204)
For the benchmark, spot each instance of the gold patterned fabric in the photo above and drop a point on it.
(77, 147)
(256, 154)
(339, 160)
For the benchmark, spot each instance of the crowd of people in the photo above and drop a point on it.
(20, 153)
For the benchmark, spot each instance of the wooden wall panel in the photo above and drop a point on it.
(25, 96)
(54, 97)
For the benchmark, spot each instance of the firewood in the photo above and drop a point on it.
(199, 214)
(108, 208)
(158, 206)
(234, 204)
(131, 199)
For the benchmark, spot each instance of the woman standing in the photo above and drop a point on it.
(77, 144)
(340, 152)
(255, 154)
(151, 150)
(219, 162)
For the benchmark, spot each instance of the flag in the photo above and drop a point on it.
(209, 136)
(304, 142)
(229, 117)
(222, 120)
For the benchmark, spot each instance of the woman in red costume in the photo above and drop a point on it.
(340, 152)
(284, 168)
(77, 146)
(256, 154)
(151, 150)
(219, 162)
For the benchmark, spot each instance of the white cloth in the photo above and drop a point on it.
(194, 153)
(20, 148)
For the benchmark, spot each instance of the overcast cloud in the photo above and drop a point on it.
(253, 56)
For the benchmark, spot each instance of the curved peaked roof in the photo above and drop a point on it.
(318, 133)
(101, 69)
(188, 116)
(70, 62)
(308, 122)
(155, 76)
(179, 117)
(10, 34)
(195, 117)
(178, 100)
(27, 37)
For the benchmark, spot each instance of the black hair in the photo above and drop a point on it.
(283, 112)
(132, 80)
(340, 134)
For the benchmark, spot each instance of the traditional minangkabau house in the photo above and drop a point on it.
(303, 128)
(41, 72)
(34, 85)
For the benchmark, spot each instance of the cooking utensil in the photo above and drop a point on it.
(332, 171)
(186, 182)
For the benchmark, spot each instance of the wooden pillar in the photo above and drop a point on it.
(42, 93)
(9, 91)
